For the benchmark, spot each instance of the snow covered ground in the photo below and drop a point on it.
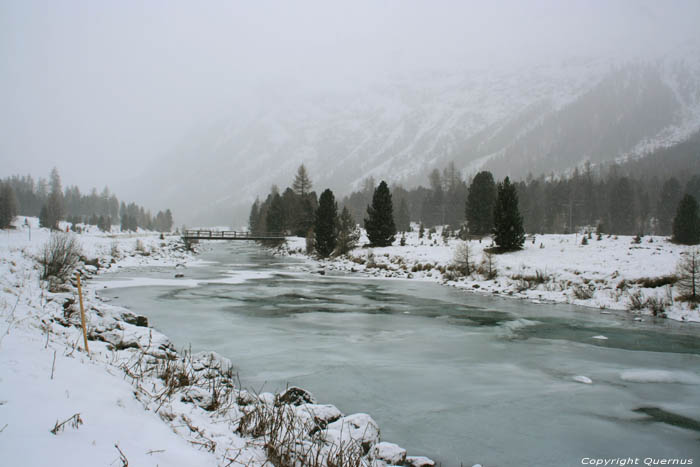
(610, 273)
(135, 399)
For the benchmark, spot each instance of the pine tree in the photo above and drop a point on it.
(275, 215)
(254, 217)
(8, 205)
(302, 182)
(508, 223)
(403, 219)
(686, 224)
(669, 198)
(621, 207)
(168, 221)
(44, 217)
(480, 204)
(379, 224)
(325, 225)
(348, 234)
(54, 205)
(693, 187)
(305, 216)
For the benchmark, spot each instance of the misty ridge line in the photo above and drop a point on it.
(390, 90)
(569, 115)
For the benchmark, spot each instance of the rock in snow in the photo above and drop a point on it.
(358, 427)
(419, 461)
(295, 396)
(389, 452)
(321, 415)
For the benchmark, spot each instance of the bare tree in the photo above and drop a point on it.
(487, 268)
(689, 275)
(462, 258)
(302, 183)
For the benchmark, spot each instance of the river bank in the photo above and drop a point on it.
(135, 398)
(463, 379)
(609, 273)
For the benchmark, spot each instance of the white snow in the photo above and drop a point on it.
(659, 376)
(583, 379)
(133, 395)
(604, 274)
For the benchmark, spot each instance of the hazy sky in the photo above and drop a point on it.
(101, 89)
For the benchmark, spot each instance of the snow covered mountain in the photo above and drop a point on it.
(538, 119)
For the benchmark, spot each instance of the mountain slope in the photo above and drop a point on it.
(529, 120)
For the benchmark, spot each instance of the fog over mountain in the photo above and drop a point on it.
(203, 107)
(531, 120)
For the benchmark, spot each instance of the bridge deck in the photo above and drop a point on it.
(230, 235)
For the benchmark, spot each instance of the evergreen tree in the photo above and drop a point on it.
(275, 215)
(433, 209)
(621, 210)
(124, 221)
(44, 217)
(253, 217)
(305, 214)
(669, 198)
(302, 182)
(693, 187)
(348, 234)
(403, 219)
(480, 204)
(455, 194)
(508, 223)
(8, 205)
(168, 221)
(54, 206)
(686, 224)
(380, 221)
(325, 225)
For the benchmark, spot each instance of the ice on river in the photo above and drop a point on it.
(462, 378)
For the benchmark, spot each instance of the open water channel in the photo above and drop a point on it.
(458, 377)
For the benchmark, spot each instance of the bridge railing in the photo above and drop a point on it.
(229, 235)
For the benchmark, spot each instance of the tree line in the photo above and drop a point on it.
(617, 202)
(613, 203)
(47, 200)
(329, 233)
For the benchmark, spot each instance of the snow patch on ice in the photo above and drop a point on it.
(659, 376)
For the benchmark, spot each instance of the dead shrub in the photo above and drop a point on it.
(636, 301)
(487, 267)
(654, 282)
(59, 256)
(582, 293)
(657, 306)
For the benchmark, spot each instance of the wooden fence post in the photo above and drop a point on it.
(82, 315)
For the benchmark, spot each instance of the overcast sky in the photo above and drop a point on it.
(101, 89)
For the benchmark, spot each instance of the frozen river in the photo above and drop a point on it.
(456, 377)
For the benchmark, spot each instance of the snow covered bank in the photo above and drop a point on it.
(610, 273)
(134, 398)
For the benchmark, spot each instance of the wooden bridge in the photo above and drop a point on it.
(193, 235)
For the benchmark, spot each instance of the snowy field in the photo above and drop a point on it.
(134, 399)
(610, 273)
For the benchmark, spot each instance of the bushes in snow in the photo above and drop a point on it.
(59, 256)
